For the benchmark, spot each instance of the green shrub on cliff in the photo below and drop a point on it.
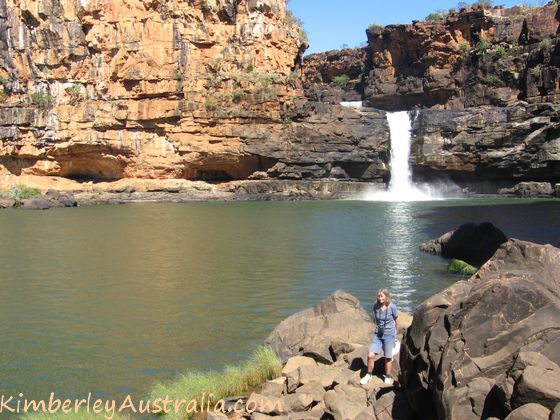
(231, 381)
(461, 267)
(210, 103)
(481, 47)
(492, 80)
(374, 26)
(74, 90)
(341, 80)
(237, 95)
(536, 71)
(464, 48)
(500, 52)
(545, 44)
(41, 98)
(487, 4)
(435, 16)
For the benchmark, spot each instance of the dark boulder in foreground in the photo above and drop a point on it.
(489, 346)
(472, 243)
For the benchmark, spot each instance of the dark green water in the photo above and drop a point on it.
(111, 299)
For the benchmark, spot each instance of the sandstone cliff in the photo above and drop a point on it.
(158, 89)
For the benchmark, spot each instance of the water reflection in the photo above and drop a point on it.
(400, 239)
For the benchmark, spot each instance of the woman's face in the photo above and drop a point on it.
(381, 299)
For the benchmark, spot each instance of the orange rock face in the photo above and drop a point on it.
(109, 89)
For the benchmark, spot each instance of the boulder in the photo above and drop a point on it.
(266, 404)
(6, 203)
(555, 415)
(35, 204)
(529, 412)
(467, 338)
(472, 243)
(538, 384)
(296, 362)
(534, 189)
(274, 387)
(345, 402)
(314, 389)
(313, 332)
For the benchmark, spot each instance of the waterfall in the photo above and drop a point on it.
(401, 187)
(401, 175)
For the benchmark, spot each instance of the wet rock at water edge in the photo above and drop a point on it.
(530, 189)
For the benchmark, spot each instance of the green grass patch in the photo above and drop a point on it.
(231, 381)
(461, 267)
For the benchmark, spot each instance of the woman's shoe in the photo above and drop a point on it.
(365, 379)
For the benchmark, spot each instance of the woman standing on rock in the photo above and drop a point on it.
(386, 318)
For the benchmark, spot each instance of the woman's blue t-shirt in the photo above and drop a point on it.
(386, 318)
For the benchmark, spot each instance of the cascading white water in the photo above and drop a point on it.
(401, 187)
(401, 176)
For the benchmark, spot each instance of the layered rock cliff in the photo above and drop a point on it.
(491, 81)
(469, 58)
(104, 90)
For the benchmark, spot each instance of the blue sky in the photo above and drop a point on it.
(331, 23)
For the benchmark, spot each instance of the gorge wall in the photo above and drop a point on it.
(99, 90)
(186, 89)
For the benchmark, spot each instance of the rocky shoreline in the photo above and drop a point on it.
(71, 194)
(482, 348)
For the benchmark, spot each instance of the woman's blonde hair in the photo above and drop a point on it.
(386, 293)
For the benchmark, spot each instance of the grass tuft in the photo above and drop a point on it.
(461, 267)
(231, 381)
